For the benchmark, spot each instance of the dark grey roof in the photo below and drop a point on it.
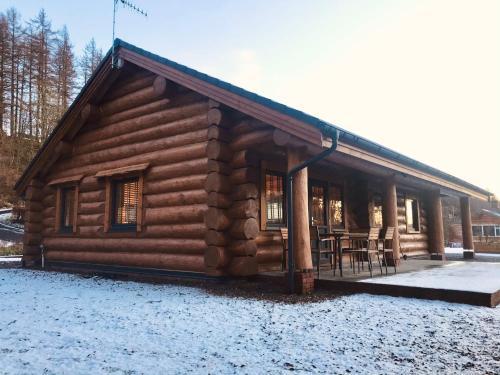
(344, 135)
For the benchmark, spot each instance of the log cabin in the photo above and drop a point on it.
(159, 168)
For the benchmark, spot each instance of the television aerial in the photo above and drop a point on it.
(132, 7)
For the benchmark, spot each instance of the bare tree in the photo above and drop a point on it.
(91, 58)
(64, 70)
(39, 75)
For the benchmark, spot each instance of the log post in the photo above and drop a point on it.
(304, 277)
(468, 243)
(390, 217)
(436, 231)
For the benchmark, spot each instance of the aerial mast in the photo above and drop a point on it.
(134, 8)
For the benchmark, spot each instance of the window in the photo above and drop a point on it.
(125, 204)
(335, 207)
(67, 214)
(477, 230)
(376, 211)
(412, 215)
(274, 199)
(318, 206)
(497, 231)
(489, 230)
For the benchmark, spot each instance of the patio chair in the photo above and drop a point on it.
(372, 247)
(387, 247)
(320, 239)
(284, 242)
(349, 247)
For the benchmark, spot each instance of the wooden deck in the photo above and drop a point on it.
(354, 283)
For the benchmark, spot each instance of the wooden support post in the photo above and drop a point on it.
(467, 239)
(390, 213)
(436, 231)
(304, 278)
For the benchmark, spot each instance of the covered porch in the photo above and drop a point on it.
(348, 194)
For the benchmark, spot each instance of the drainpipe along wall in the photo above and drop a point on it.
(333, 133)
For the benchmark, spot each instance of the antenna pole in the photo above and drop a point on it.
(113, 41)
(129, 5)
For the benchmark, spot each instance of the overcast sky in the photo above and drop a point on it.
(421, 77)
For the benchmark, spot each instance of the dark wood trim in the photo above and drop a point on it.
(66, 180)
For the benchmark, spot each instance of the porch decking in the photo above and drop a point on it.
(452, 281)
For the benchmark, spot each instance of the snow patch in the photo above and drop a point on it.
(467, 276)
(61, 323)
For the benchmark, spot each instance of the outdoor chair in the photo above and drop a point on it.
(349, 247)
(284, 242)
(321, 240)
(387, 247)
(372, 247)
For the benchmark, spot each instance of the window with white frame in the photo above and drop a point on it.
(487, 230)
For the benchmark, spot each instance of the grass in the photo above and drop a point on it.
(16, 249)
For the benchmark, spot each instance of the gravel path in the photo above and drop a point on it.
(61, 323)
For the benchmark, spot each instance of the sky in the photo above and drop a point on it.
(421, 77)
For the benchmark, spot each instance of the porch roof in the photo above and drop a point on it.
(324, 127)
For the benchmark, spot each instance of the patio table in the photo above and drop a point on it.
(336, 238)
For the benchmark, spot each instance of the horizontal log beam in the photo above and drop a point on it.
(191, 125)
(179, 262)
(145, 245)
(186, 168)
(144, 121)
(177, 184)
(192, 230)
(158, 88)
(177, 198)
(173, 155)
(175, 214)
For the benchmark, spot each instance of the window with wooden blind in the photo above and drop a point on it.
(317, 203)
(335, 206)
(67, 206)
(274, 199)
(125, 204)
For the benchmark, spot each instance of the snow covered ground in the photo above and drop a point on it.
(470, 276)
(460, 252)
(60, 323)
(9, 259)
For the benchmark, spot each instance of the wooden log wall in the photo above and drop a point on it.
(33, 222)
(231, 186)
(412, 243)
(235, 192)
(142, 120)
